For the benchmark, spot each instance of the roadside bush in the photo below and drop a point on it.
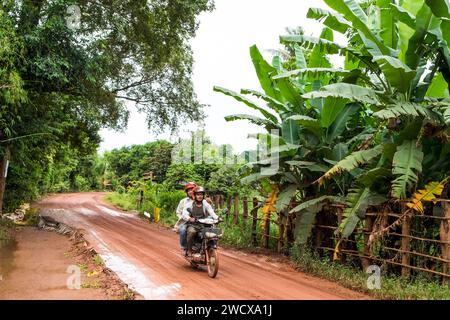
(239, 235)
(62, 186)
(82, 184)
(178, 173)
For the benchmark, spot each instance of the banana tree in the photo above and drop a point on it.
(404, 54)
(314, 135)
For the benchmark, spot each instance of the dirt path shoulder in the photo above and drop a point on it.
(40, 265)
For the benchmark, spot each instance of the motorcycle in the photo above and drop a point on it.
(204, 249)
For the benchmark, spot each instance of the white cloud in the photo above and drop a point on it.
(221, 53)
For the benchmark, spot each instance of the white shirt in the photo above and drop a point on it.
(207, 209)
(180, 207)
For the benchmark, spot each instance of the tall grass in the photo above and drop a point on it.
(391, 287)
(5, 230)
(166, 200)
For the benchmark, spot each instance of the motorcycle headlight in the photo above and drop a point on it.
(210, 235)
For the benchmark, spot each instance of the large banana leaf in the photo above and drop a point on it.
(309, 123)
(415, 50)
(267, 137)
(332, 20)
(285, 149)
(300, 60)
(315, 203)
(304, 223)
(396, 72)
(339, 124)
(285, 196)
(438, 30)
(447, 116)
(325, 46)
(304, 120)
(407, 163)
(368, 178)
(356, 205)
(403, 16)
(281, 89)
(352, 12)
(332, 107)
(264, 71)
(339, 152)
(388, 23)
(438, 87)
(249, 103)
(306, 214)
(290, 131)
(403, 108)
(318, 58)
(277, 64)
(347, 91)
(267, 124)
(412, 6)
(313, 73)
(257, 176)
(300, 163)
(291, 94)
(440, 8)
(352, 161)
(273, 103)
(310, 166)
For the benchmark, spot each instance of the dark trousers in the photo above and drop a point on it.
(191, 233)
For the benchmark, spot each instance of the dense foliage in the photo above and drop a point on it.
(61, 82)
(372, 131)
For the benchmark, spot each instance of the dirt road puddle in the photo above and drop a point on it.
(7, 249)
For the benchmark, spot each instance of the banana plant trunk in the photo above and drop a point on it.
(267, 210)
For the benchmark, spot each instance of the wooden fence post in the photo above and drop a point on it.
(266, 232)
(221, 201)
(368, 225)
(282, 218)
(340, 214)
(228, 208)
(245, 208)
(406, 240)
(290, 224)
(255, 221)
(444, 231)
(317, 234)
(140, 199)
(217, 201)
(236, 209)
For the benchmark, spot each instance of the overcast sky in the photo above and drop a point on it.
(221, 53)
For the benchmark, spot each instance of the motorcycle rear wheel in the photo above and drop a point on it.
(213, 262)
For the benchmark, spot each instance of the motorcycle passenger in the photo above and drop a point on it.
(181, 226)
(200, 208)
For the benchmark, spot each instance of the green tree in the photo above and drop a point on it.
(160, 160)
(63, 84)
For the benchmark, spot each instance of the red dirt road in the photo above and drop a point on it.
(148, 259)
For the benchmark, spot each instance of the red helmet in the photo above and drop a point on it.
(189, 185)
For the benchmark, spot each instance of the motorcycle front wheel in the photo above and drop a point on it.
(213, 262)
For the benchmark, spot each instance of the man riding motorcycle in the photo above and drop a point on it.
(200, 208)
(181, 226)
